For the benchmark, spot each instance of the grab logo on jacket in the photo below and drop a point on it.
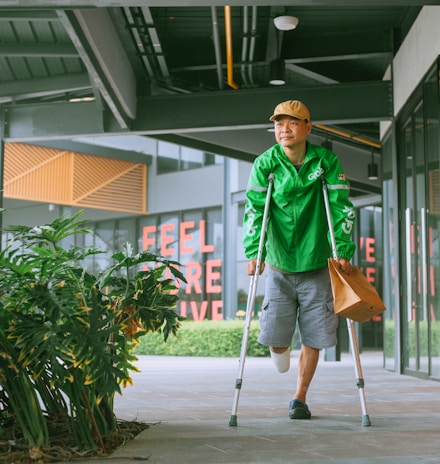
(251, 227)
(316, 175)
(347, 226)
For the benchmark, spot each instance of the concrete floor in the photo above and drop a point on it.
(188, 403)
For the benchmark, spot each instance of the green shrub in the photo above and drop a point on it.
(67, 336)
(389, 329)
(423, 338)
(206, 338)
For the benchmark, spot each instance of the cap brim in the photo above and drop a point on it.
(274, 117)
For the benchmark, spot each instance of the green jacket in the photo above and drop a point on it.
(297, 235)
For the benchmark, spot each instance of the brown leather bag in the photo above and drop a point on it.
(354, 297)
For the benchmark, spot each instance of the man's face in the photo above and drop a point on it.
(290, 131)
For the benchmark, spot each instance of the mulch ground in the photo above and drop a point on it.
(13, 448)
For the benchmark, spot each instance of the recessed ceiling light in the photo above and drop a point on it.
(286, 23)
(81, 99)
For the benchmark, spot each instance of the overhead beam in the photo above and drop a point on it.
(27, 15)
(53, 121)
(349, 56)
(317, 59)
(215, 111)
(310, 74)
(207, 146)
(97, 43)
(329, 104)
(98, 150)
(43, 87)
(38, 50)
(69, 4)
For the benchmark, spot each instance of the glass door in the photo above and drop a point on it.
(432, 148)
(415, 355)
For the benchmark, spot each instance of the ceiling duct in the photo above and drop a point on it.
(229, 57)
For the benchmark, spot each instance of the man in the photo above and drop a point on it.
(298, 289)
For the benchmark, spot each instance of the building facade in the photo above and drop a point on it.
(195, 201)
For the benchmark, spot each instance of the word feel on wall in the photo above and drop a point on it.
(201, 297)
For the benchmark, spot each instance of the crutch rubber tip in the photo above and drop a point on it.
(233, 421)
(366, 420)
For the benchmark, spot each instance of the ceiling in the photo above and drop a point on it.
(161, 68)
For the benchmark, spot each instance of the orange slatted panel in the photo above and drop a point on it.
(75, 179)
(21, 159)
(38, 175)
(120, 193)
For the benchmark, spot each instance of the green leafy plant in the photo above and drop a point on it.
(67, 336)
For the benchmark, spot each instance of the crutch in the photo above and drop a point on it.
(350, 324)
(251, 305)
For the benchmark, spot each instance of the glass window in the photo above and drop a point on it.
(419, 163)
(213, 246)
(195, 240)
(103, 237)
(242, 278)
(148, 236)
(214, 232)
(390, 249)
(125, 232)
(168, 157)
(88, 241)
(191, 158)
(431, 90)
(192, 294)
(168, 231)
(173, 158)
(370, 261)
(213, 159)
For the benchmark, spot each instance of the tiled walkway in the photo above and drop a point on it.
(188, 403)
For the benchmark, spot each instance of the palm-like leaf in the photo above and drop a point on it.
(70, 333)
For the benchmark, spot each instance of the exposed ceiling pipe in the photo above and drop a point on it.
(216, 39)
(229, 60)
(150, 49)
(156, 46)
(244, 47)
(139, 43)
(252, 46)
(348, 135)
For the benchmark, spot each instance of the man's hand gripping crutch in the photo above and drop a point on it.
(255, 274)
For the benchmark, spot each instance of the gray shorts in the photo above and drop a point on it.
(304, 298)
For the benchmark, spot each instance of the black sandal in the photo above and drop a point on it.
(299, 410)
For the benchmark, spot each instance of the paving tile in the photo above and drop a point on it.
(188, 401)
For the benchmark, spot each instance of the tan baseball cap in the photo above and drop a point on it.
(293, 108)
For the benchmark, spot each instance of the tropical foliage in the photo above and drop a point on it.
(67, 336)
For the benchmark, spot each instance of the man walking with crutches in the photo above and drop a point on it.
(296, 248)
